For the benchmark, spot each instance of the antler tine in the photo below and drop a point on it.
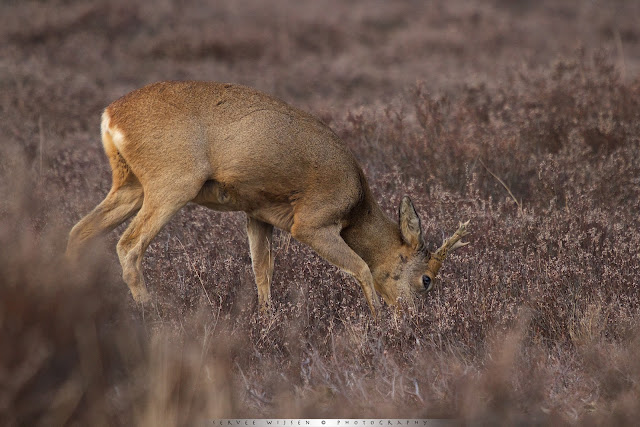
(454, 242)
(451, 244)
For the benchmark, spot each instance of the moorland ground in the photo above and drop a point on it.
(522, 116)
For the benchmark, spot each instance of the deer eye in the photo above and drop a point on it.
(426, 281)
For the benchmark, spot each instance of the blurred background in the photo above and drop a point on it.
(523, 116)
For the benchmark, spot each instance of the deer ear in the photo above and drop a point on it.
(410, 226)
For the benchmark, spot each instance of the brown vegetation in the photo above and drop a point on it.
(525, 119)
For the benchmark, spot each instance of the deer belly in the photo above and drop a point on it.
(218, 196)
(276, 210)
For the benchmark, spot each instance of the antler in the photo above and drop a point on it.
(449, 245)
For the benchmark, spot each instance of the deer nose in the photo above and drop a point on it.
(426, 282)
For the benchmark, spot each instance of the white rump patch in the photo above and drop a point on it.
(104, 124)
(116, 135)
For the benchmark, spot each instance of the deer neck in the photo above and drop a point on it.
(372, 235)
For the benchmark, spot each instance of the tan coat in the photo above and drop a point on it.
(232, 148)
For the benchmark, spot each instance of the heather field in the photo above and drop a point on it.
(521, 116)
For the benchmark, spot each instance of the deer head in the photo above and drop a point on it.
(411, 269)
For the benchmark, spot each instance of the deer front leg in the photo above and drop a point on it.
(260, 236)
(328, 243)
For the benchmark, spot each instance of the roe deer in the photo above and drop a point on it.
(232, 148)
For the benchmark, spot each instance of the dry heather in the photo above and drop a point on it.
(522, 116)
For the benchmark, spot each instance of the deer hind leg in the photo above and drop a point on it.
(119, 205)
(157, 209)
(328, 243)
(260, 236)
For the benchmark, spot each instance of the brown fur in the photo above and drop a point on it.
(232, 148)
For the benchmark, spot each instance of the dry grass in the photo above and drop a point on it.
(521, 116)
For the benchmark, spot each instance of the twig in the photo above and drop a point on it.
(506, 187)
(196, 272)
(286, 240)
(417, 391)
(251, 392)
(41, 135)
(623, 66)
(273, 317)
(246, 383)
(393, 387)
